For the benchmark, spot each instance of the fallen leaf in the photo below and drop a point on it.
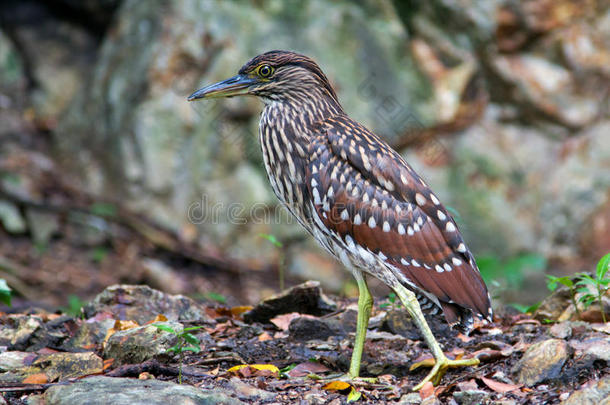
(38, 378)
(158, 318)
(336, 386)
(283, 321)
(107, 364)
(118, 326)
(255, 370)
(146, 376)
(499, 386)
(427, 390)
(237, 311)
(306, 368)
(353, 395)
(263, 337)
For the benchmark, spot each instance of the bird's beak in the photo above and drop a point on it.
(235, 86)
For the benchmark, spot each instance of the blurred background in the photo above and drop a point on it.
(108, 175)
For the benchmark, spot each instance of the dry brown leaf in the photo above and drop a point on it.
(499, 386)
(118, 326)
(263, 337)
(38, 378)
(306, 368)
(427, 390)
(283, 321)
(107, 364)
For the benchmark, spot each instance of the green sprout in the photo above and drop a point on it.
(187, 342)
(392, 303)
(553, 282)
(5, 293)
(600, 283)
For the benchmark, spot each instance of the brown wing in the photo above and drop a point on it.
(374, 197)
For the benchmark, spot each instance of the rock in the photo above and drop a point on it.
(306, 298)
(42, 225)
(471, 397)
(10, 218)
(562, 330)
(129, 391)
(90, 334)
(305, 328)
(139, 344)
(541, 362)
(142, 304)
(594, 348)
(410, 398)
(18, 329)
(595, 394)
(10, 361)
(247, 392)
(56, 367)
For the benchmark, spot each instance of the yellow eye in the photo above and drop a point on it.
(265, 71)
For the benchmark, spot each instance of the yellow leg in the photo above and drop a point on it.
(442, 363)
(365, 304)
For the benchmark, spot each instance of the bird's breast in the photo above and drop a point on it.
(284, 146)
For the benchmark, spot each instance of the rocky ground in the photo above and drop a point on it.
(292, 344)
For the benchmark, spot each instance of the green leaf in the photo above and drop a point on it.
(190, 338)
(353, 395)
(5, 292)
(193, 349)
(602, 267)
(166, 328)
(103, 209)
(215, 297)
(288, 368)
(272, 239)
(190, 328)
(99, 253)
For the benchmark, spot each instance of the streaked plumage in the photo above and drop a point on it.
(359, 198)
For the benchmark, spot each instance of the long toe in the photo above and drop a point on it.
(440, 367)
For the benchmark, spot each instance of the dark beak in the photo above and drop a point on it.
(235, 86)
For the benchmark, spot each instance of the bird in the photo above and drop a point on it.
(361, 201)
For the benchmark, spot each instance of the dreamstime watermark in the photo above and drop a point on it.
(204, 211)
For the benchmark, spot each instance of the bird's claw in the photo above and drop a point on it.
(439, 368)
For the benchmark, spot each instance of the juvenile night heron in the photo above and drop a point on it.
(359, 199)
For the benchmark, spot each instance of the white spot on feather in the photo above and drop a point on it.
(450, 227)
(420, 199)
(357, 220)
(386, 226)
(441, 215)
(372, 222)
(401, 229)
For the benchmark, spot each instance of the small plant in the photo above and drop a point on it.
(553, 282)
(392, 303)
(74, 307)
(5, 293)
(580, 283)
(187, 342)
(600, 283)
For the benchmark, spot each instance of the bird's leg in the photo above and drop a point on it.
(442, 363)
(365, 304)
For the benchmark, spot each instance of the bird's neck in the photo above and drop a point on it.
(301, 111)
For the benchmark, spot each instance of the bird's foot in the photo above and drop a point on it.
(439, 367)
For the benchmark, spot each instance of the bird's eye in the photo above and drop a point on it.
(265, 71)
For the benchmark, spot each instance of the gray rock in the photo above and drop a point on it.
(18, 329)
(410, 398)
(542, 362)
(597, 348)
(305, 328)
(139, 344)
(247, 392)
(471, 397)
(306, 298)
(10, 218)
(142, 304)
(597, 394)
(127, 391)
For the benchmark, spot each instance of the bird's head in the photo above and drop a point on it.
(273, 76)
